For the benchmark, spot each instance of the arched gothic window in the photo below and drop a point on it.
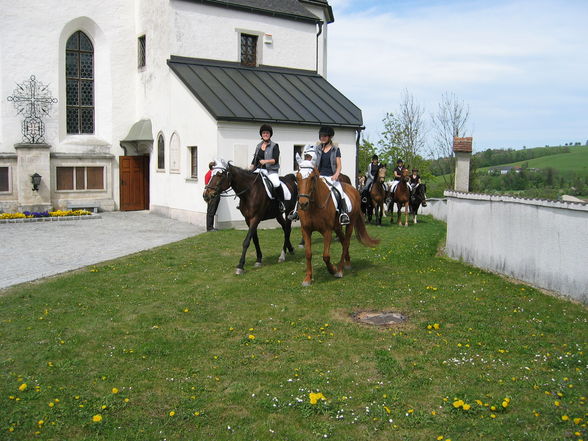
(79, 77)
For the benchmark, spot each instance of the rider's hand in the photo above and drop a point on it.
(335, 177)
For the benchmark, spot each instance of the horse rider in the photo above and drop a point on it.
(266, 161)
(414, 179)
(398, 170)
(329, 165)
(370, 175)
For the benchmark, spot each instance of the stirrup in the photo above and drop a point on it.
(293, 216)
(344, 219)
(364, 200)
(281, 207)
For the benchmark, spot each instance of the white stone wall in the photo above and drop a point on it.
(544, 243)
(212, 32)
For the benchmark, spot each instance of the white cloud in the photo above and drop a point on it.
(513, 50)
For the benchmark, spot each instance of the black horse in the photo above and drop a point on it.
(255, 205)
(418, 197)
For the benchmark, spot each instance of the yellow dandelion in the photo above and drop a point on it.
(314, 398)
(565, 418)
(479, 402)
(126, 400)
(410, 410)
(505, 404)
(251, 337)
(114, 390)
(196, 413)
(40, 422)
(557, 403)
(457, 404)
(466, 407)
(492, 416)
(172, 413)
(22, 387)
(577, 420)
(440, 437)
(186, 310)
(51, 404)
(387, 409)
(97, 418)
(436, 326)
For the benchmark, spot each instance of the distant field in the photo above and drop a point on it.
(575, 161)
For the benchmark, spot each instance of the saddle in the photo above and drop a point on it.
(271, 190)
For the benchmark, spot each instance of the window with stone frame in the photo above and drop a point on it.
(297, 149)
(79, 79)
(79, 178)
(193, 162)
(4, 179)
(160, 152)
(248, 50)
(174, 153)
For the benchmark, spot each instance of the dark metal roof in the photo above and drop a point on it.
(290, 9)
(232, 92)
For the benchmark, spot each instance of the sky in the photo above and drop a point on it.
(521, 66)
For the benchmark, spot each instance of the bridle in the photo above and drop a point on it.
(226, 175)
(312, 189)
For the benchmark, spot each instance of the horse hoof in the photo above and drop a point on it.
(347, 267)
(300, 246)
(282, 257)
(306, 283)
(338, 274)
(239, 271)
(257, 265)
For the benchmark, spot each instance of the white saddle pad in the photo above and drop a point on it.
(287, 194)
(333, 197)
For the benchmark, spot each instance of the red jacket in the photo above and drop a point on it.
(207, 177)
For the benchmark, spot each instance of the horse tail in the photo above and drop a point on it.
(361, 232)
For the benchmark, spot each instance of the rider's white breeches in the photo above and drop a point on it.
(273, 177)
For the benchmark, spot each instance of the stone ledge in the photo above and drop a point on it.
(50, 219)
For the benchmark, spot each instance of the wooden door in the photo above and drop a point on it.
(134, 183)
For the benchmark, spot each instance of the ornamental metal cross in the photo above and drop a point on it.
(33, 99)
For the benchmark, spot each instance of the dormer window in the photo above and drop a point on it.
(248, 50)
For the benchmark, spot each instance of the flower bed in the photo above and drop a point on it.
(35, 214)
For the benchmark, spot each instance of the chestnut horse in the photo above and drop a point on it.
(318, 213)
(378, 196)
(401, 197)
(255, 205)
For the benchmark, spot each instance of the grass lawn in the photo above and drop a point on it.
(169, 344)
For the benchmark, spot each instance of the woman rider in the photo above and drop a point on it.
(266, 160)
(328, 162)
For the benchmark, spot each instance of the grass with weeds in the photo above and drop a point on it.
(169, 344)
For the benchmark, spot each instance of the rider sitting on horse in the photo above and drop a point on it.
(414, 179)
(329, 165)
(398, 170)
(266, 161)
(370, 175)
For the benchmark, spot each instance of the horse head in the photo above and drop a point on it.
(219, 182)
(306, 178)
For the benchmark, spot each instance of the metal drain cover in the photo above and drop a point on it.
(380, 318)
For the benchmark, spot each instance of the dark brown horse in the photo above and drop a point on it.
(401, 197)
(255, 205)
(318, 213)
(418, 197)
(378, 196)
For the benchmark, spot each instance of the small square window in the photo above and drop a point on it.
(297, 149)
(249, 50)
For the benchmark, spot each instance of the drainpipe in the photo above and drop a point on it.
(320, 31)
(357, 170)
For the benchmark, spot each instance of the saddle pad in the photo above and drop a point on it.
(334, 198)
(267, 182)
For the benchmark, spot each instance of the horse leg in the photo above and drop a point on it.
(399, 208)
(250, 234)
(345, 242)
(306, 237)
(286, 228)
(406, 214)
(327, 238)
(257, 249)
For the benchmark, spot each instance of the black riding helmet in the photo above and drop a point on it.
(400, 161)
(375, 157)
(266, 128)
(326, 130)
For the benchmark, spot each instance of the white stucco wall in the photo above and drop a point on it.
(212, 32)
(544, 243)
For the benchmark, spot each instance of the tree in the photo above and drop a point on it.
(404, 132)
(364, 155)
(448, 122)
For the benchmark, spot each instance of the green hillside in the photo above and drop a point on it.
(575, 161)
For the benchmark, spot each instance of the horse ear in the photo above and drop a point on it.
(224, 163)
(298, 158)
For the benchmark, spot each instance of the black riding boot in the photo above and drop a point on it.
(279, 194)
(343, 216)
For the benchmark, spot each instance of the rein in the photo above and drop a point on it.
(313, 189)
(224, 193)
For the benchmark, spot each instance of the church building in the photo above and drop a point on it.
(121, 105)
